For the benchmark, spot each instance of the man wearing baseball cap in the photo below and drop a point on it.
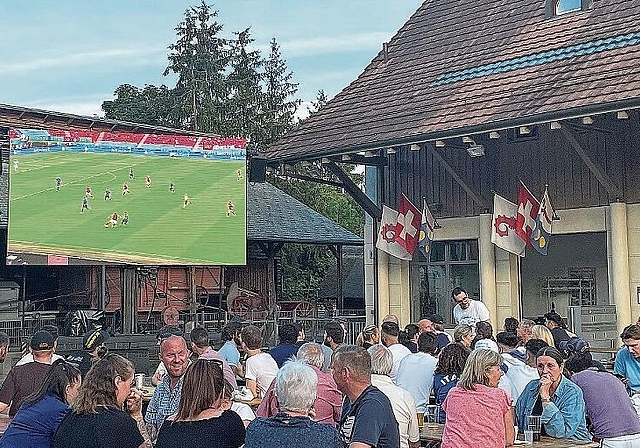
(26, 379)
(92, 348)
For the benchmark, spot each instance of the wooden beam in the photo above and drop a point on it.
(355, 192)
(318, 180)
(449, 169)
(363, 160)
(600, 174)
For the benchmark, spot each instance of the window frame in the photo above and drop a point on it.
(551, 7)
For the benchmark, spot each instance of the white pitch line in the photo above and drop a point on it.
(82, 180)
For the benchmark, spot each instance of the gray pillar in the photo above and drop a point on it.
(129, 300)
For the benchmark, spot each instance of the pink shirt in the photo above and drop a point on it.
(475, 417)
(328, 405)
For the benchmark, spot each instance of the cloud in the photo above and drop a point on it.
(335, 44)
(106, 57)
(89, 105)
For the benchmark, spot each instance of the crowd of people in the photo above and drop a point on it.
(482, 387)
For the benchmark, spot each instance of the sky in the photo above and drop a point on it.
(70, 55)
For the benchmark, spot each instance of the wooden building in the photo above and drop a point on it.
(470, 97)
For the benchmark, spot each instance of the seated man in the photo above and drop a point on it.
(54, 332)
(367, 416)
(415, 373)
(200, 346)
(26, 379)
(92, 348)
(260, 368)
(229, 350)
(328, 404)
(295, 386)
(627, 364)
(404, 408)
(614, 419)
(288, 335)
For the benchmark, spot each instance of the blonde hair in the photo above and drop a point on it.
(476, 368)
(461, 332)
(542, 332)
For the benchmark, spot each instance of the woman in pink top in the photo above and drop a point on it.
(475, 407)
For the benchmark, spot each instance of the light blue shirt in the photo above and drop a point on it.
(164, 402)
(415, 375)
(563, 418)
(629, 367)
(230, 353)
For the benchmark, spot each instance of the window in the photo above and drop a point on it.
(556, 8)
(564, 6)
(452, 263)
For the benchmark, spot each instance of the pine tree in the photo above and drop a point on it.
(246, 98)
(280, 106)
(199, 58)
(321, 100)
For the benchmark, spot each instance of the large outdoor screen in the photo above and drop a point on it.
(96, 197)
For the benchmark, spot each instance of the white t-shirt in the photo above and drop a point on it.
(398, 351)
(477, 312)
(404, 409)
(486, 344)
(243, 410)
(261, 368)
(26, 359)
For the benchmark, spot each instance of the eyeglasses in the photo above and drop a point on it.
(464, 299)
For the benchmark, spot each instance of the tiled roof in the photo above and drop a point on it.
(466, 66)
(273, 215)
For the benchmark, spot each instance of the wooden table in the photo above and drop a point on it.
(431, 436)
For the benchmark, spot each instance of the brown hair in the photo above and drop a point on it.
(452, 359)
(99, 388)
(252, 337)
(630, 332)
(357, 359)
(202, 388)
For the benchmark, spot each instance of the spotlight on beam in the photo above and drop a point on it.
(345, 157)
(439, 143)
(415, 147)
(524, 130)
(467, 139)
(555, 125)
(325, 161)
(622, 115)
(475, 150)
(587, 120)
(391, 150)
(494, 135)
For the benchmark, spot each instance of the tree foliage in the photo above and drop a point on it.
(225, 86)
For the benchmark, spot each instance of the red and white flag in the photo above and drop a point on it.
(399, 230)
(503, 229)
(528, 207)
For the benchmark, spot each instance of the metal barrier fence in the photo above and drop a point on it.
(312, 322)
(21, 331)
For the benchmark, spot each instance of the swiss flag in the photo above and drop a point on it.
(408, 227)
(528, 207)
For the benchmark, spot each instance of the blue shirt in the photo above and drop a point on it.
(629, 367)
(34, 425)
(164, 402)
(563, 417)
(284, 431)
(415, 375)
(229, 351)
(282, 352)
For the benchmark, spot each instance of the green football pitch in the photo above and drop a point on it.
(43, 220)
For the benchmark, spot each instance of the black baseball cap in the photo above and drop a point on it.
(93, 339)
(41, 340)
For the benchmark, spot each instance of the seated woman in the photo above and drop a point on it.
(615, 421)
(296, 388)
(201, 419)
(542, 332)
(447, 373)
(40, 414)
(463, 334)
(478, 413)
(96, 418)
(557, 400)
